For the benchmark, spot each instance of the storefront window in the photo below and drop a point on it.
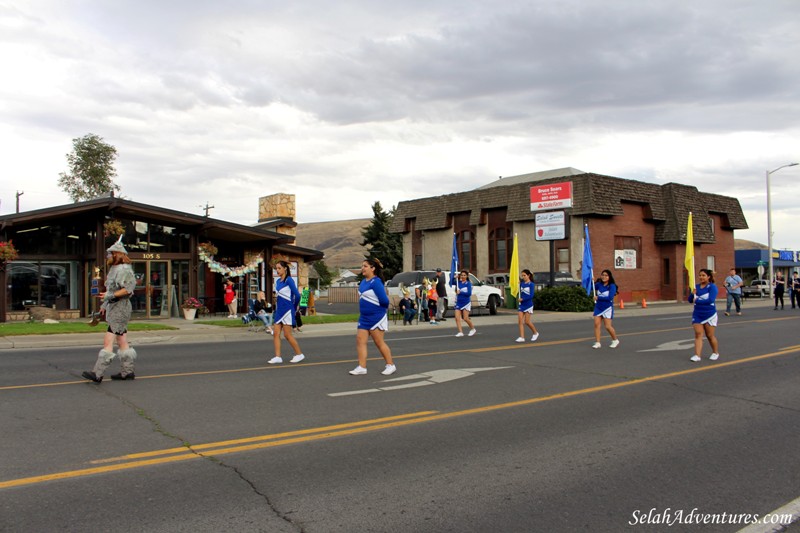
(155, 238)
(50, 283)
(57, 239)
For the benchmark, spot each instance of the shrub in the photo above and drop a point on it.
(563, 299)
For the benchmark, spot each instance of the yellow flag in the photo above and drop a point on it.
(689, 260)
(513, 274)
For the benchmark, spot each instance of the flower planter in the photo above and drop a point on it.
(189, 314)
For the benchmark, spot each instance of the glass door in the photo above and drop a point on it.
(151, 298)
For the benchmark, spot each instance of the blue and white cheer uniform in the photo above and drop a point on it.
(373, 305)
(288, 298)
(464, 296)
(604, 306)
(705, 304)
(526, 297)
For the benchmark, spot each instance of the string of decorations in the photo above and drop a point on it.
(219, 268)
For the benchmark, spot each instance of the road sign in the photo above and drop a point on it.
(551, 226)
(551, 196)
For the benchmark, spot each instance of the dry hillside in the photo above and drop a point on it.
(742, 244)
(340, 240)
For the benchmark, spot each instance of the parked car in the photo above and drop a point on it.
(488, 296)
(758, 288)
(561, 279)
(496, 279)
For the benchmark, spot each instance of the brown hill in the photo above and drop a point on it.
(742, 244)
(340, 240)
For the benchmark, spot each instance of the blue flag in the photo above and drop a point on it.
(587, 270)
(454, 262)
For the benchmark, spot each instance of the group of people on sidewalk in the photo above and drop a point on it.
(373, 312)
(734, 284)
(779, 287)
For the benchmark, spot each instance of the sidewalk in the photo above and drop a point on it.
(192, 331)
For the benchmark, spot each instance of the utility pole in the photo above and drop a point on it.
(206, 208)
(19, 193)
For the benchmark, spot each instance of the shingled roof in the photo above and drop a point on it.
(594, 195)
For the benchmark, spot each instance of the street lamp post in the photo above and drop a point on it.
(769, 226)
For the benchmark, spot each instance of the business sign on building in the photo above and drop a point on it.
(786, 255)
(551, 196)
(551, 226)
(624, 259)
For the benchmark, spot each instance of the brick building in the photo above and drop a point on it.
(637, 230)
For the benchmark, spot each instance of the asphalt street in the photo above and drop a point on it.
(472, 434)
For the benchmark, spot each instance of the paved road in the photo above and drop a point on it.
(471, 434)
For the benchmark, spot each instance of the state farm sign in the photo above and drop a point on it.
(551, 196)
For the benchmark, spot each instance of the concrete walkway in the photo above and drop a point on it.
(199, 331)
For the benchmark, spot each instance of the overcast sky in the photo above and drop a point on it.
(345, 103)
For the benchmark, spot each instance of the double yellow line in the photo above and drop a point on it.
(185, 453)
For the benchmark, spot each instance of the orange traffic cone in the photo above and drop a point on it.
(621, 304)
(644, 303)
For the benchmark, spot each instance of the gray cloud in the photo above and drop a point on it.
(355, 102)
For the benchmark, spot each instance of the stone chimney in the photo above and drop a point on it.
(278, 205)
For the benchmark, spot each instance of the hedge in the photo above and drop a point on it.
(563, 299)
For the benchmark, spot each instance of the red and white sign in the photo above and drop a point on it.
(551, 196)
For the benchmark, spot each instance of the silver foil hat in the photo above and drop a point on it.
(117, 247)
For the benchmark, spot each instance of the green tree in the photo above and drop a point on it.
(383, 245)
(325, 274)
(91, 169)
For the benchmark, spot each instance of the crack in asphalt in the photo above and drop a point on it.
(158, 428)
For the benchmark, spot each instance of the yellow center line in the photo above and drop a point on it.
(198, 447)
(325, 432)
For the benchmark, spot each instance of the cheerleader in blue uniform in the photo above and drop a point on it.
(463, 303)
(288, 299)
(604, 291)
(526, 306)
(372, 322)
(704, 317)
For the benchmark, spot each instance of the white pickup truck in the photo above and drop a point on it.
(489, 297)
(758, 288)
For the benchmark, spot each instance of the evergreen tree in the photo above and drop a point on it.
(325, 274)
(383, 245)
(91, 169)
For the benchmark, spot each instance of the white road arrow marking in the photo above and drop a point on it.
(427, 378)
(672, 346)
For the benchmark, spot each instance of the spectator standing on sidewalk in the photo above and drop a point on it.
(704, 317)
(441, 295)
(433, 306)
(525, 313)
(794, 287)
(605, 289)
(373, 305)
(230, 298)
(288, 299)
(779, 285)
(733, 284)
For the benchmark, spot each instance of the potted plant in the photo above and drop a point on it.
(113, 227)
(190, 307)
(7, 252)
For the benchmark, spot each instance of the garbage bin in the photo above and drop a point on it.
(511, 301)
